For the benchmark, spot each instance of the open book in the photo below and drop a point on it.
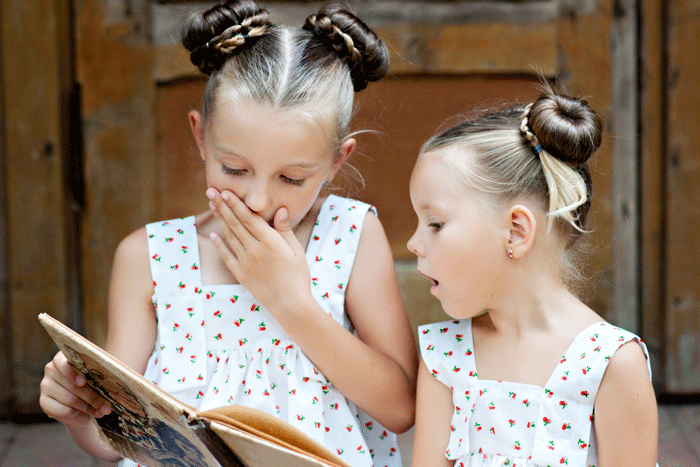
(154, 429)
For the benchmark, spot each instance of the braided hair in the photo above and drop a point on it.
(314, 69)
(539, 150)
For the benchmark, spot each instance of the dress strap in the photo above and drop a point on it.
(331, 252)
(448, 351)
(566, 410)
(174, 257)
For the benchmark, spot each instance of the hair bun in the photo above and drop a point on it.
(355, 43)
(566, 127)
(214, 35)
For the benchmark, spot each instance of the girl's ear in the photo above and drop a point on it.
(346, 149)
(522, 226)
(197, 126)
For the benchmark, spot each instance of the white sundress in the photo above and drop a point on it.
(499, 423)
(217, 345)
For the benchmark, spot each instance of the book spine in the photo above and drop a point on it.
(218, 449)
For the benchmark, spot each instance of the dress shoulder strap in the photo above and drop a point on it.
(566, 408)
(447, 350)
(174, 256)
(334, 242)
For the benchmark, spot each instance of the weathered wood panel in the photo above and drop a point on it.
(624, 121)
(585, 70)
(114, 61)
(682, 294)
(652, 195)
(443, 37)
(34, 93)
(6, 384)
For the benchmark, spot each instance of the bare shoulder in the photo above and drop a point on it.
(133, 247)
(131, 317)
(372, 229)
(626, 417)
(373, 252)
(628, 365)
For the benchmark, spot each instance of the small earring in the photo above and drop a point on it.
(510, 254)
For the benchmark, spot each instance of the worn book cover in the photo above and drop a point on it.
(154, 429)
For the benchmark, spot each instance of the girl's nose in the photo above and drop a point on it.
(414, 245)
(257, 197)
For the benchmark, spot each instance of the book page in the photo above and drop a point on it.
(268, 427)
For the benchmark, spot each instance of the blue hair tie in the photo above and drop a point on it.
(538, 149)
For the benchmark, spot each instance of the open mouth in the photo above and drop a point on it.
(434, 282)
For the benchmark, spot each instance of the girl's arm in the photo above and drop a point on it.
(434, 411)
(130, 339)
(376, 371)
(626, 417)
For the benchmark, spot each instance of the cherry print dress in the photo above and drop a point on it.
(217, 345)
(514, 424)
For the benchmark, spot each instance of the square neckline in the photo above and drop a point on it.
(548, 383)
(238, 287)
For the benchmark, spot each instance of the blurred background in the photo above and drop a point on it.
(94, 143)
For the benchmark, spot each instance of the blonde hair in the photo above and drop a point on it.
(312, 70)
(540, 150)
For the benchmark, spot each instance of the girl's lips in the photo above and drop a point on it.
(435, 283)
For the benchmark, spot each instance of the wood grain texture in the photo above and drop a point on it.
(36, 218)
(5, 321)
(585, 70)
(114, 61)
(652, 195)
(682, 294)
(454, 37)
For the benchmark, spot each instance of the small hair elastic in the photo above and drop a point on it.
(538, 149)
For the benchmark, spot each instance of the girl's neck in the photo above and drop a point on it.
(540, 305)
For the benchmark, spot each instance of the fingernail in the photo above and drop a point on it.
(211, 193)
(283, 214)
(212, 206)
(225, 195)
(105, 409)
(80, 380)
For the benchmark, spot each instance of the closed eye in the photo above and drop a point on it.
(293, 181)
(231, 171)
(436, 225)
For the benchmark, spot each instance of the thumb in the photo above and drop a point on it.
(282, 224)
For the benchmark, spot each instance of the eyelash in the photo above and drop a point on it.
(285, 179)
(436, 226)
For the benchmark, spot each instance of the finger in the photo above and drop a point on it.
(224, 204)
(229, 258)
(253, 223)
(284, 227)
(61, 398)
(235, 245)
(60, 375)
(61, 412)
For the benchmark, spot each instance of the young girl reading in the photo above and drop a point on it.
(526, 374)
(281, 297)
